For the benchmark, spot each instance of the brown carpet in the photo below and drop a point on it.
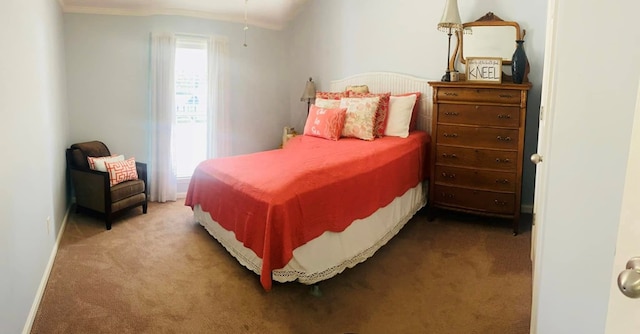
(163, 273)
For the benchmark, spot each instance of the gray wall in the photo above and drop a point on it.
(332, 39)
(33, 135)
(108, 75)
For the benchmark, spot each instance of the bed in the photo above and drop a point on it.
(310, 210)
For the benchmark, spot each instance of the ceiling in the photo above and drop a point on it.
(271, 14)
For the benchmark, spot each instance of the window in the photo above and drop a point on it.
(191, 123)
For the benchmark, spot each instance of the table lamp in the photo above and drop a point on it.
(449, 22)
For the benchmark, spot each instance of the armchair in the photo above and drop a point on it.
(92, 187)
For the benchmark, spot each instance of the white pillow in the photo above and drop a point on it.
(97, 163)
(327, 104)
(399, 117)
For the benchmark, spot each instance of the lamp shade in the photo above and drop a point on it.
(451, 17)
(309, 91)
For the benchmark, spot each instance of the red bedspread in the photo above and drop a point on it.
(276, 201)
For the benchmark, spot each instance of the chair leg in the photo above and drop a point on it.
(144, 208)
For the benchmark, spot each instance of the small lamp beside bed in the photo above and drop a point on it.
(309, 93)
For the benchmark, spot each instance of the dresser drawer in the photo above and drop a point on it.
(479, 115)
(477, 137)
(477, 200)
(476, 157)
(474, 178)
(506, 96)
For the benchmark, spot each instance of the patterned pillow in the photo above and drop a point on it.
(327, 103)
(331, 95)
(400, 110)
(120, 171)
(381, 112)
(97, 163)
(414, 115)
(358, 88)
(361, 116)
(325, 123)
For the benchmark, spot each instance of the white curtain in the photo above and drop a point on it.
(219, 126)
(162, 185)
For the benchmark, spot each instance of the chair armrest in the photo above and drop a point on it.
(92, 188)
(141, 168)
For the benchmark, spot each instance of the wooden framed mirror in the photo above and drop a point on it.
(488, 36)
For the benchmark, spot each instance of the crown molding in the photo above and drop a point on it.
(169, 11)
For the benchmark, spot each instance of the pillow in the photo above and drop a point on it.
(414, 116)
(325, 123)
(361, 116)
(327, 103)
(120, 171)
(381, 112)
(400, 110)
(97, 163)
(331, 95)
(357, 89)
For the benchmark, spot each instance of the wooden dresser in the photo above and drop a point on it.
(477, 153)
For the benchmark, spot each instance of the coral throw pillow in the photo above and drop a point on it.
(325, 123)
(381, 112)
(331, 95)
(120, 171)
(361, 116)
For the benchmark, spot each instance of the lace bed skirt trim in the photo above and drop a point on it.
(382, 225)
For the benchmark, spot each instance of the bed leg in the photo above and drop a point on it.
(315, 291)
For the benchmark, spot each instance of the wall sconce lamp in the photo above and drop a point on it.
(450, 22)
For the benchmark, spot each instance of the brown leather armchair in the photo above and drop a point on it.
(92, 187)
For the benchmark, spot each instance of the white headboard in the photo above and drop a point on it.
(382, 82)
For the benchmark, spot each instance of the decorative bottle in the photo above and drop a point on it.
(519, 63)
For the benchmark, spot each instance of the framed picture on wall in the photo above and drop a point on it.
(484, 69)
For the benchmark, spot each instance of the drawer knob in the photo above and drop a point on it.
(450, 156)
(500, 138)
(504, 116)
(502, 181)
(500, 203)
(450, 175)
(451, 113)
(451, 135)
(447, 195)
(498, 160)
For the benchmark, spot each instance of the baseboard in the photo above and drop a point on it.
(526, 208)
(45, 276)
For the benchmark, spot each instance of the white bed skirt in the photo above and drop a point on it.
(330, 253)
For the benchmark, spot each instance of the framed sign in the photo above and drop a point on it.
(484, 69)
